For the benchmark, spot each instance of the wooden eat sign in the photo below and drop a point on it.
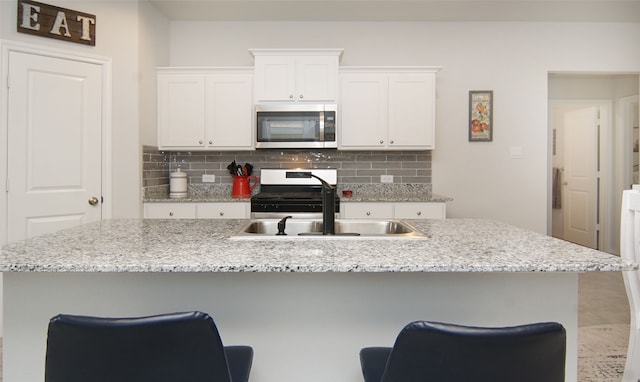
(54, 22)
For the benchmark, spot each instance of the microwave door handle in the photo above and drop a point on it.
(321, 121)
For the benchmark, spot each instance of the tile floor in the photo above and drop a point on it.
(602, 299)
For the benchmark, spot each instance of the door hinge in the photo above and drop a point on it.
(6, 187)
(8, 81)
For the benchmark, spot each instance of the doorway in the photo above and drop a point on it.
(57, 127)
(591, 155)
(578, 129)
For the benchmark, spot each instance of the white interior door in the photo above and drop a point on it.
(580, 193)
(54, 144)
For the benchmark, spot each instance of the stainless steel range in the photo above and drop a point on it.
(284, 193)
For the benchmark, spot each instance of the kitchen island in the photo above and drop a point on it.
(306, 306)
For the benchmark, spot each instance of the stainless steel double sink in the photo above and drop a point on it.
(344, 228)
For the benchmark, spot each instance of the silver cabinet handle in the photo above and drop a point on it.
(391, 142)
(381, 141)
(301, 96)
(93, 201)
(200, 142)
(368, 213)
(221, 213)
(290, 96)
(170, 213)
(419, 213)
(211, 141)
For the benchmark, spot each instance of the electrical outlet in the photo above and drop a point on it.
(208, 178)
(386, 178)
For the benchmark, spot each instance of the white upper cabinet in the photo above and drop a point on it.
(181, 110)
(363, 111)
(387, 108)
(412, 110)
(229, 112)
(205, 109)
(296, 75)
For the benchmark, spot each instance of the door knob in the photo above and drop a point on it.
(93, 200)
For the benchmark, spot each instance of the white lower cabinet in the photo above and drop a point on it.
(169, 210)
(235, 210)
(222, 210)
(397, 210)
(367, 210)
(419, 210)
(242, 210)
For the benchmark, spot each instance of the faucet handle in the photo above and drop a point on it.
(282, 225)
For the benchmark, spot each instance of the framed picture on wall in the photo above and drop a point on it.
(480, 115)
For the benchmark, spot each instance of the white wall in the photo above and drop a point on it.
(153, 52)
(512, 59)
(116, 38)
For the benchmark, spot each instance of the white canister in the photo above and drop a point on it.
(178, 184)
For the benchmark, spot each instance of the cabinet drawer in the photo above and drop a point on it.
(235, 210)
(367, 210)
(420, 211)
(169, 210)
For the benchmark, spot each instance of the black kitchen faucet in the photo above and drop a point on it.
(328, 201)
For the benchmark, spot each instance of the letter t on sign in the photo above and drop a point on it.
(55, 22)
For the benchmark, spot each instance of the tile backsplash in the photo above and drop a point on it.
(354, 167)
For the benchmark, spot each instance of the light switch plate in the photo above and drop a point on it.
(208, 178)
(516, 152)
(386, 178)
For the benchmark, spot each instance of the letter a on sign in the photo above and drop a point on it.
(54, 22)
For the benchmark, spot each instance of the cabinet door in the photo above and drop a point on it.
(420, 211)
(229, 111)
(367, 210)
(363, 111)
(234, 210)
(316, 78)
(275, 78)
(411, 111)
(169, 210)
(181, 110)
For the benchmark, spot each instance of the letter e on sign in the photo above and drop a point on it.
(54, 22)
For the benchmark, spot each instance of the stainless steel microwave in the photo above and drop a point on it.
(296, 126)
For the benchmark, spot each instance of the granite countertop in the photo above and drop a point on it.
(418, 193)
(396, 198)
(149, 245)
(377, 198)
(196, 198)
